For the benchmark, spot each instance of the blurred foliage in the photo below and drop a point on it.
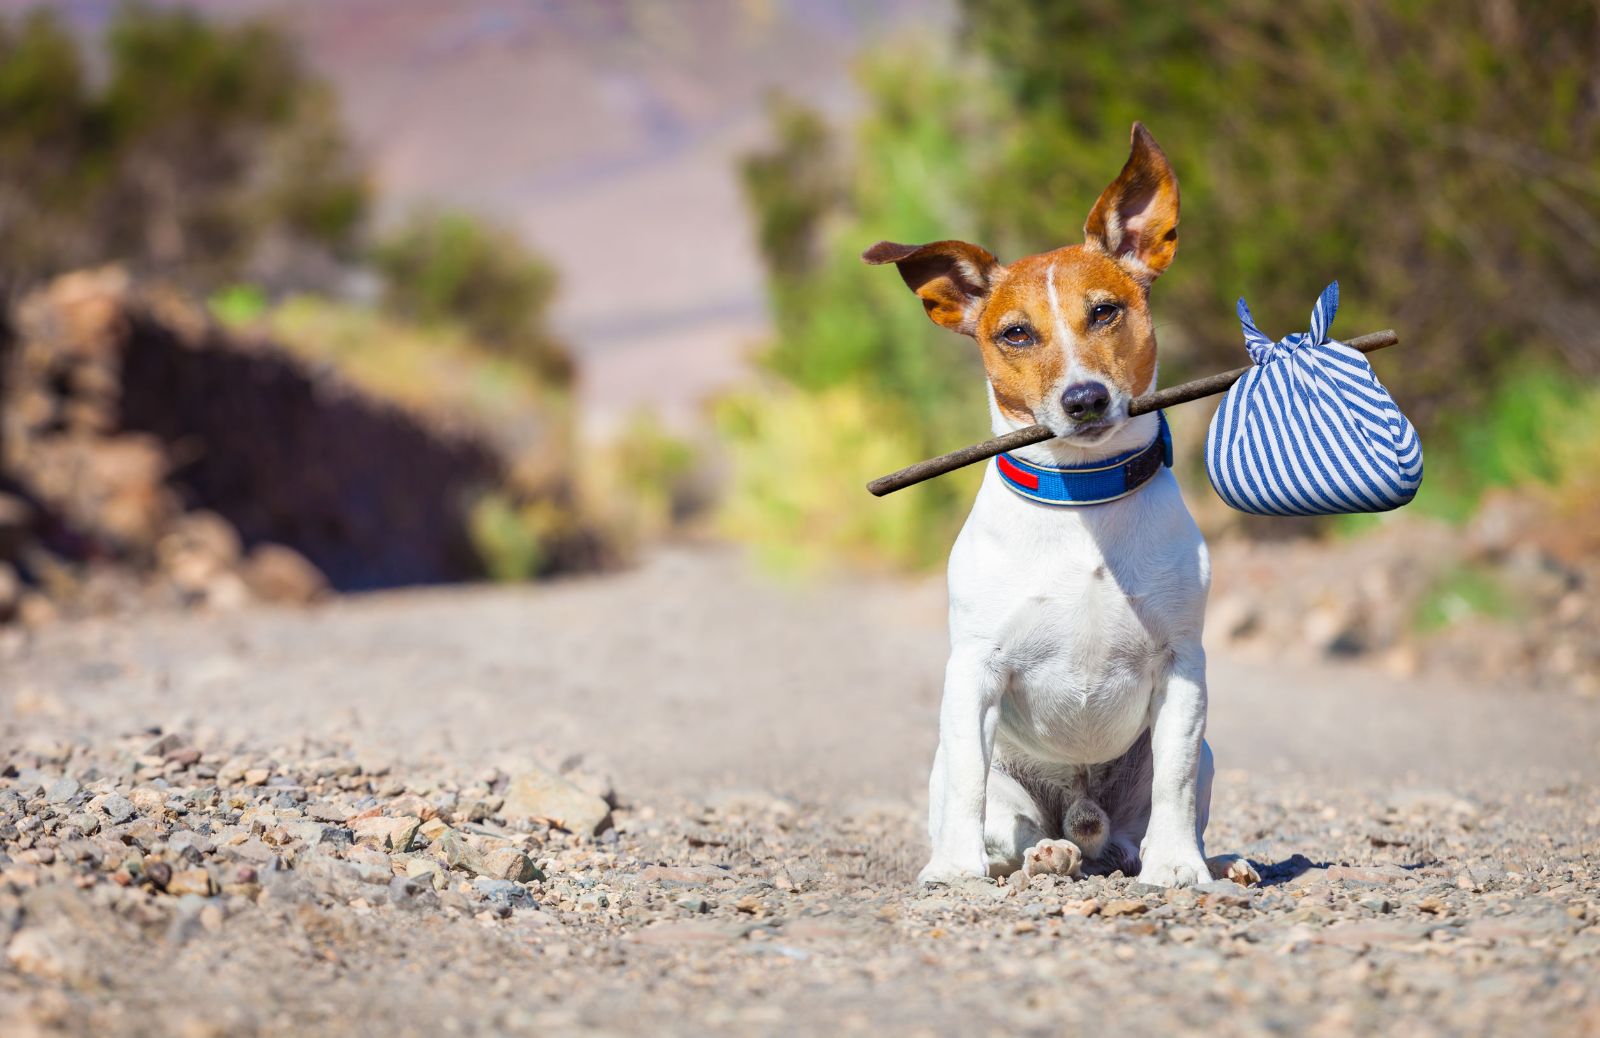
(238, 304)
(1441, 160)
(792, 187)
(866, 382)
(203, 152)
(1461, 594)
(506, 537)
(453, 267)
(646, 482)
(801, 460)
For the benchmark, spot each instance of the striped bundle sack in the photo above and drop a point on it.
(1310, 430)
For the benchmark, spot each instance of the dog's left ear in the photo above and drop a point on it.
(1136, 218)
(952, 278)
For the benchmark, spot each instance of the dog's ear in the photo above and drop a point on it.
(952, 278)
(1136, 218)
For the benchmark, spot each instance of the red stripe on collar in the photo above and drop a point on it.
(1020, 475)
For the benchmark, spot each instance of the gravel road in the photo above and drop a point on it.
(379, 816)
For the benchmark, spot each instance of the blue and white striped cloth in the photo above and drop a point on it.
(1310, 430)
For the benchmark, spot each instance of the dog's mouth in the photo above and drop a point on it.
(1093, 432)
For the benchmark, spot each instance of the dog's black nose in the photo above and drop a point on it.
(1085, 401)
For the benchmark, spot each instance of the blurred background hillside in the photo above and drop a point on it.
(372, 293)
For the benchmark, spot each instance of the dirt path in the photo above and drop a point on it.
(768, 746)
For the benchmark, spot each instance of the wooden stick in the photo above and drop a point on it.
(1181, 394)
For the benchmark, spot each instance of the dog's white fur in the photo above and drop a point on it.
(1073, 632)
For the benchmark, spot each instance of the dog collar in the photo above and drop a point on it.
(1078, 485)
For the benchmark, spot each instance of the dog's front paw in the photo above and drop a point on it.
(940, 872)
(1235, 868)
(1052, 858)
(1184, 868)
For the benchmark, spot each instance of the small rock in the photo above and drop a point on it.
(427, 869)
(37, 951)
(512, 864)
(1370, 875)
(323, 811)
(164, 745)
(459, 854)
(117, 808)
(1233, 897)
(159, 873)
(62, 789)
(275, 573)
(1124, 906)
(190, 881)
(405, 891)
(537, 794)
(683, 876)
(390, 834)
(148, 801)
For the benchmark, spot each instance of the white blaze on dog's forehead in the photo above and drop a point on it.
(1063, 336)
(1063, 332)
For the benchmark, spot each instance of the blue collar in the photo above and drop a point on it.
(1079, 485)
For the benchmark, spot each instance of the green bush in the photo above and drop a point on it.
(201, 146)
(803, 460)
(506, 538)
(645, 482)
(453, 267)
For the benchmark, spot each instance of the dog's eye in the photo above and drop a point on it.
(1103, 313)
(1017, 335)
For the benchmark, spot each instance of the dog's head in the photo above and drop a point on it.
(1065, 335)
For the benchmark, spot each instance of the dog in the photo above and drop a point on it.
(1072, 725)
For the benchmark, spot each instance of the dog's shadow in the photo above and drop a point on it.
(1279, 873)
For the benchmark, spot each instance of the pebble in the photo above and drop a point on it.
(159, 873)
(423, 868)
(1124, 906)
(538, 794)
(62, 790)
(117, 808)
(511, 864)
(190, 881)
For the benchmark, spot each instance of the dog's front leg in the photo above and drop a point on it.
(1171, 855)
(959, 784)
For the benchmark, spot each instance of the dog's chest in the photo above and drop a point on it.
(1079, 622)
(1081, 665)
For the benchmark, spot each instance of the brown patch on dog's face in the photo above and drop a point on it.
(1076, 315)
(1072, 314)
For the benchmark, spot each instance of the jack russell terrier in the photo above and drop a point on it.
(1071, 731)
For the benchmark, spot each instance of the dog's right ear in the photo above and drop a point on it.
(952, 278)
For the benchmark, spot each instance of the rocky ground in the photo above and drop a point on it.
(680, 801)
